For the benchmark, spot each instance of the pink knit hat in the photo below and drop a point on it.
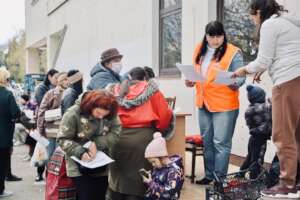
(157, 147)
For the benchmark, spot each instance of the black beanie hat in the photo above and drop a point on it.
(256, 94)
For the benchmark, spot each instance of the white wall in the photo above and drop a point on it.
(132, 27)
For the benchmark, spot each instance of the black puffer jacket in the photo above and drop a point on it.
(259, 120)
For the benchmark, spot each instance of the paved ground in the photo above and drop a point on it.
(26, 190)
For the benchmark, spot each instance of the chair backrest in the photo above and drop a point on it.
(171, 102)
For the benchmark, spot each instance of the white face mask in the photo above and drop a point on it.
(117, 67)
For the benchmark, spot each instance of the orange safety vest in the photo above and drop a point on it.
(216, 97)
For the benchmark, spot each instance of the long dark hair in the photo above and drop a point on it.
(77, 86)
(134, 75)
(139, 73)
(267, 8)
(51, 72)
(214, 28)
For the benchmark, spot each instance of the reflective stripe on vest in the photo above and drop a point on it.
(216, 97)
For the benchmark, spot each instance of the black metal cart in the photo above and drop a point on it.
(237, 186)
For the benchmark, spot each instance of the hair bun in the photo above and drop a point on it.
(157, 135)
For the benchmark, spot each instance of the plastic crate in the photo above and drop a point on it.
(237, 186)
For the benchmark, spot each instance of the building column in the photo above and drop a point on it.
(32, 60)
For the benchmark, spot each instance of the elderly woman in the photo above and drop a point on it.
(93, 118)
(143, 110)
(9, 111)
(107, 71)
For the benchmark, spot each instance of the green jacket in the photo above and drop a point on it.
(76, 129)
(9, 112)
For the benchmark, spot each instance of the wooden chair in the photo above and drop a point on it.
(171, 102)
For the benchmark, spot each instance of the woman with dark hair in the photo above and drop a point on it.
(218, 104)
(75, 89)
(279, 53)
(142, 110)
(48, 83)
(93, 118)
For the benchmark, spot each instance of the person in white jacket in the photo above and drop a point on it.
(279, 53)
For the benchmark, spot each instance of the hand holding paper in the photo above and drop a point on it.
(189, 72)
(224, 78)
(100, 160)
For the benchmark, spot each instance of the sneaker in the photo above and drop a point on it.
(6, 193)
(204, 181)
(39, 180)
(280, 191)
(13, 178)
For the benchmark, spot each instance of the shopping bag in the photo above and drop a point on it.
(58, 185)
(40, 155)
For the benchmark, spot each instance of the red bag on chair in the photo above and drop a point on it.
(58, 185)
(194, 139)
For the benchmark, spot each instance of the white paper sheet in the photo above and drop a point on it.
(29, 113)
(100, 160)
(224, 78)
(189, 72)
(39, 138)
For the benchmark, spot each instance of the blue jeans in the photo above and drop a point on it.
(217, 130)
(51, 147)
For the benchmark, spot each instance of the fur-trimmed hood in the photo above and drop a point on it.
(134, 93)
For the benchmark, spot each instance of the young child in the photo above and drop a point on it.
(166, 180)
(259, 121)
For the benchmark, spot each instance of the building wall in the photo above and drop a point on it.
(132, 27)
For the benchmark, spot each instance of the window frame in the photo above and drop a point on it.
(163, 13)
(220, 10)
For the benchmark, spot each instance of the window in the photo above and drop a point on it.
(238, 26)
(170, 37)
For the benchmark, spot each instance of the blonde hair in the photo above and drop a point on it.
(4, 75)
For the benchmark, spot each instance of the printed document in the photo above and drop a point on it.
(29, 113)
(100, 160)
(189, 72)
(39, 138)
(224, 78)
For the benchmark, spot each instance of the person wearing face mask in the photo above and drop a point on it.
(218, 105)
(107, 71)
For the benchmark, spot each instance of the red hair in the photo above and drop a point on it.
(99, 99)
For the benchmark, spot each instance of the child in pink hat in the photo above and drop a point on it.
(166, 180)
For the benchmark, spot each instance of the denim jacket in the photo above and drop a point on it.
(237, 62)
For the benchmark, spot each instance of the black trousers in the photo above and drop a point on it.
(4, 164)
(31, 144)
(91, 188)
(112, 195)
(255, 156)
